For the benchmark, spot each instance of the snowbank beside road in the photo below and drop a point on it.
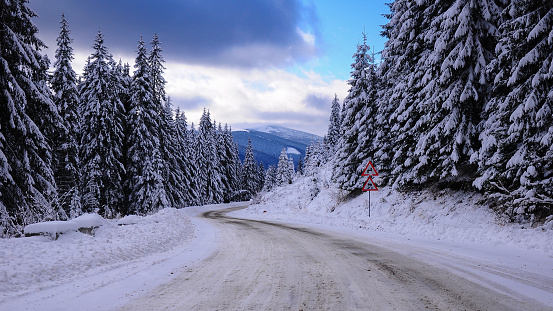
(28, 264)
(448, 215)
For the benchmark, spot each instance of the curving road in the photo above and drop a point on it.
(269, 266)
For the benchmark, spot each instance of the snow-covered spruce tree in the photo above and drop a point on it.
(144, 163)
(300, 166)
(184, 139)
(101, 144)
(291, 169)
(250, 171)
(456, 87)
(123, 72)
(359, 105)
(208, 162)
(313, 157)
(367, 124)
(261, 176)
(156, 64)
(284, 175)
(333, 134)
(66, 98)
(515, 159)
(395, 139)
(270, 178)
(173, 178)
(173, 163)
(27, 186)
(228, 157)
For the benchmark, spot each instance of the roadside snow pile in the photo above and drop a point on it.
(54, 228)
(446, 215)
(51, 228)
(32, 263)
(89, 221)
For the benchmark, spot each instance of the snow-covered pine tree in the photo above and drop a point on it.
(27, 185)
(515, 159)
(101, 144)
(144, 163)
(208, 162)
(123, 72)
(249, 170)
(184, 139)
(156, 64)
(270, 178)
(223, 161)
(403, 51)
(284, 175)
(173, 176)
(333, 134)
(291, 169)
(228, 157)
(261, 176)
(300, 166)
(369, 120)
(348, 162)
(456, 87)
(66, 98)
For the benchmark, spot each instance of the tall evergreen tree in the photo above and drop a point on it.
(516, 154)
(184, 139)
(27, 185)
(261, 176)
(156, 76)
(284, 174)
(270, 178)
(208, 162)
(66, 98)
(144, 163)
(173, 164)
(102, 135)
(249, 170)
(334, 127)
(300, 166)
(456, 87)
(229, 160)
(405, 48)
(357, 103)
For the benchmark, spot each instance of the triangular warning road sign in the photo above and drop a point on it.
(369, 170)
(369, 186)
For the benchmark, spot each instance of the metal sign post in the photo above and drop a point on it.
(370, 172)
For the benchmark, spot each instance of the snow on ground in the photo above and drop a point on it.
(448, 215)
(28, 264)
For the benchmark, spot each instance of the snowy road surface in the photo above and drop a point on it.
(261, 265)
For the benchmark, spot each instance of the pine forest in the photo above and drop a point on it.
(107, 141)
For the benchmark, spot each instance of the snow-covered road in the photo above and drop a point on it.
(261, 265)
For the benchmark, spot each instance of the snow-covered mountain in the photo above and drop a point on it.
(268, 141)
(288, 133)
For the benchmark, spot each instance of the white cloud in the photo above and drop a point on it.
(307, 37)
(247, 97)
(243, 97)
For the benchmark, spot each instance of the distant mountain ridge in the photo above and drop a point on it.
(268, 141)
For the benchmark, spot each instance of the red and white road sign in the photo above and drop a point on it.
(370, 172)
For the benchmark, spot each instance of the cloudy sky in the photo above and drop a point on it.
(250, 62)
